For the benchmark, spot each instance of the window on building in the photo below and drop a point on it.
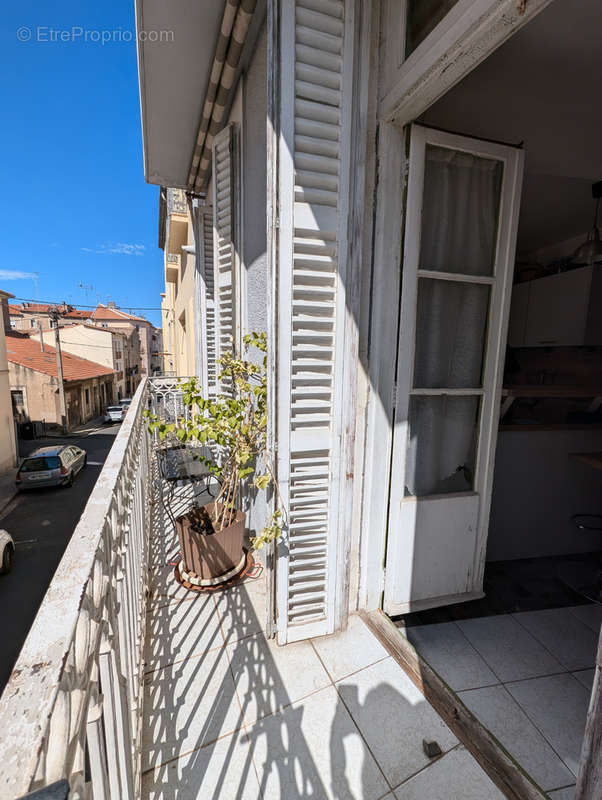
(87, 395)
(18, 401)
(32, 323)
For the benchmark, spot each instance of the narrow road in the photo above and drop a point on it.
(41, 522)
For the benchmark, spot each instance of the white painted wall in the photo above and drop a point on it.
(249, 110)
(537, 487)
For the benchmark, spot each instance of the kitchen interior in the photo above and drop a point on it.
(522, 658)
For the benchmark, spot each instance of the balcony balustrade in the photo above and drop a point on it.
(72, 709)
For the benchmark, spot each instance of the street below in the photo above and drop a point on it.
(41, 523)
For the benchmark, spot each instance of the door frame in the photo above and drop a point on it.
(421, 80)
(496, 333)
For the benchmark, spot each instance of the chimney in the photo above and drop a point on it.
(110, 304)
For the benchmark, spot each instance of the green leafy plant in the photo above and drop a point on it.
(233, 428)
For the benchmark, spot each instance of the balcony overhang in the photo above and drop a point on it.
(190, 57)
(176, 43)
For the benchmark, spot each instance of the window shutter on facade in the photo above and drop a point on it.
(315, 123)
(225, 203)
(210, 324)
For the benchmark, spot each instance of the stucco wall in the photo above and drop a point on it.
(40, 391)
(7, 428)
(254, 177)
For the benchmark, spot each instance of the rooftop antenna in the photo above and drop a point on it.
(35, 281)
(86, 289)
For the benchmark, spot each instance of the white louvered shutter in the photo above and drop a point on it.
(315, 115)
(225, 202)
(210, 324)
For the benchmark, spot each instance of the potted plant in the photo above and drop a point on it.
(232, 428)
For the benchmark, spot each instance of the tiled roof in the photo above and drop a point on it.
(15, 310)
(27, 352)
(104, 312)
(80, 313)
(35, 307)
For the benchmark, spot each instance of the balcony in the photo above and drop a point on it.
(172, 267)
(130, 687)
(176, 202)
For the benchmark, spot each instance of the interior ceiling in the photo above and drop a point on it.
(542, 87)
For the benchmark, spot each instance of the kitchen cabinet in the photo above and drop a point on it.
(558, 310)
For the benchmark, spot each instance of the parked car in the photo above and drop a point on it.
(7, 551)
(51, 466)
(114, 414)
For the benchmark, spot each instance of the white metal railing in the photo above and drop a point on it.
(72, 708)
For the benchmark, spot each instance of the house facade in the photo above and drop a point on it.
(180, 307)
(8, 451)
(110, 316)
(34, 384)
(105, 346)
(302, 188)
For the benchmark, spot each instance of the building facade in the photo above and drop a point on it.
(8, 450)
(111, 317)
(88, 387)
(105, 346)
(342, 147)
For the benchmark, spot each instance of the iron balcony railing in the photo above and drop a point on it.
(72, 709)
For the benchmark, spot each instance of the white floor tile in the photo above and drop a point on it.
(568, 639)
(165, 589)
(349, 651)
(585, 678)
(558, 706)
(563, 794)
(448, 652)
(242, 609)
(456, 776)
(313, 749)
(394, 718)
(180, 630)
(499, 713)
(186, 705)
(269, 677)
(509, 650)
(220, 771)
(590, 615)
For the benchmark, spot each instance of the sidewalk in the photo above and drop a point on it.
(7, 488)
(230, 714)
(80, 430)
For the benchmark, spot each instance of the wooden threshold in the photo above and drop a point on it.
(502, 768)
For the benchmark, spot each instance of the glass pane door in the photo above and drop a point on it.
(459, 240)
(456, 265)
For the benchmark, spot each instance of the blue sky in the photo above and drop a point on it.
(75, 207)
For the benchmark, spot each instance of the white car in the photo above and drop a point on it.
(114, 414)
(7, 551)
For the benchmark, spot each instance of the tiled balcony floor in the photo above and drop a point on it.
(229, 714)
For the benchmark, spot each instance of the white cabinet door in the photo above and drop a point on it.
(460, 237)
(558, 307)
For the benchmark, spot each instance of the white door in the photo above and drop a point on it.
(459, 246)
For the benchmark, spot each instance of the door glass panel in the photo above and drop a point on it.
(451, 327)
(422, 16)
(460, 212)
(441, 452)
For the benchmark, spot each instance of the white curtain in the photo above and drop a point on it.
(459, 230)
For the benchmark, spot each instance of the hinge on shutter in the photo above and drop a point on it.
(394, 397)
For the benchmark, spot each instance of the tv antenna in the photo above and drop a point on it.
(86, 288)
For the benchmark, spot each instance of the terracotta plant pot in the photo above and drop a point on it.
(210, 556)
